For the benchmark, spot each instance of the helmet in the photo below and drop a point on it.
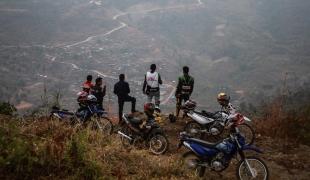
(223, 99)
(190, 105)
(149, 108)
(91, 98)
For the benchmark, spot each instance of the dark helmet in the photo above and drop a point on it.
(223, 99)
(149, 108)
(190, 105)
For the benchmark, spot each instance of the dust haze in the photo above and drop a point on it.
(252, 49)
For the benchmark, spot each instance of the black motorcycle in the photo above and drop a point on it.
(132, 134)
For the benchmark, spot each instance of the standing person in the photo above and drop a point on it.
(151, 84)
(98, 91)
(88, 81)
(121, 89)
(184, 89)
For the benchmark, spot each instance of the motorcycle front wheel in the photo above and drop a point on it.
(103, 125)
(158, 144)
(252, 168)
(247, 132)
(127, 143)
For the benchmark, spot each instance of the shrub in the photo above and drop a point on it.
(7, 109)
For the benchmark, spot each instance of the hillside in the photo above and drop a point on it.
(246, 48)
(43, 149)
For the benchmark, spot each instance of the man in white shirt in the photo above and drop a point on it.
(151, 84)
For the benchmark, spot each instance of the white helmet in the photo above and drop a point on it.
(91, 98)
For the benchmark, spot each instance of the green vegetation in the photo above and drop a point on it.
(7, 108)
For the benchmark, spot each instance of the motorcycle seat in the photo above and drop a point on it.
(205, 114)
(134, 120)
(204, 143)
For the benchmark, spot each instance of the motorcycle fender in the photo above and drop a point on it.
(57, 115)
(187, 145)
(252, 148)
(247, 119)
(156, 131)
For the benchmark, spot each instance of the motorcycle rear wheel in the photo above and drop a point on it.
(103, 125)
(158, 144)
(190, 162)
(193, 129)
(247, 132)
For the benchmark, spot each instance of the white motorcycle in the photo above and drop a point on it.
(212, 126)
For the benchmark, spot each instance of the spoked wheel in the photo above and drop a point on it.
(103, 125)
(247, 132)
(127, 143)
(252, 168)
(193, 129)
(158, 144)
(190, 162)
(216, 133)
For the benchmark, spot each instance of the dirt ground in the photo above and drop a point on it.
(285, 160)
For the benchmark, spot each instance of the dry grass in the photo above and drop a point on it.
(278, 121)
(54, 150)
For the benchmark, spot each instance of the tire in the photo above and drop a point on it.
(127, 143)
(103, 125)
(247, 132)
(190, 161)
(256, 164)
(202, 171)
(193, 126)
(158, 144)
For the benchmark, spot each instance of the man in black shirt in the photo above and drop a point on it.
(121, 89)
(98, 91)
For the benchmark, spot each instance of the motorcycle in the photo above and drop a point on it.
(212, 125)
(217, 156)
(90, 114)
(133, 133)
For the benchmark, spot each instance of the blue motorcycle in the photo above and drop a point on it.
(217, 156)
(90, 114)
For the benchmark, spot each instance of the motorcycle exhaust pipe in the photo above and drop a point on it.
(124, 135)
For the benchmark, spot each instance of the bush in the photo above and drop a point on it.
(7, 109)
(286, 117)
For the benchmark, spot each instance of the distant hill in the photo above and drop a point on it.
(248, 48)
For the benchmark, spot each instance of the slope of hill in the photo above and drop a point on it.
(39, 148)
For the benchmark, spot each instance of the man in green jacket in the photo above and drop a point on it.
(184, 89)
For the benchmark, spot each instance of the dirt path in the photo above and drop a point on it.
(124, 25)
